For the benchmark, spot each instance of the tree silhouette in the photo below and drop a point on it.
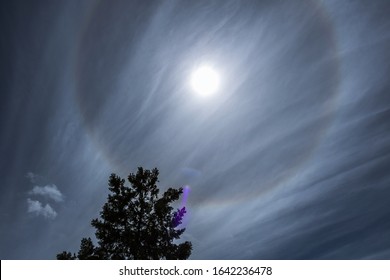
(135, 223)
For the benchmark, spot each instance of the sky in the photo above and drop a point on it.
(288, 159)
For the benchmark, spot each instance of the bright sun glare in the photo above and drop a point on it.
(205, 80)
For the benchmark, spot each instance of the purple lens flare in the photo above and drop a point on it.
(186, 191)
(179, 214)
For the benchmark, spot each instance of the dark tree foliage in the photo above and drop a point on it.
(136, 223)
(66, 256)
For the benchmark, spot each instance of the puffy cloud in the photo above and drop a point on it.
(37, 208)
(32, 177)
(50, 191)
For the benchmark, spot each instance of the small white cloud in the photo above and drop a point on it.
(36, 207)
(32, 177)
(50, 191)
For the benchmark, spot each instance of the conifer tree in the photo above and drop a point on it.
(136, 223)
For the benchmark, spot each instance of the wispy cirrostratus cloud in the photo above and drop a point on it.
(36, 207)
(50, 191)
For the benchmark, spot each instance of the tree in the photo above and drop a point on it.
(136, 223)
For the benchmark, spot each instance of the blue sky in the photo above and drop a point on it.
(289, 159)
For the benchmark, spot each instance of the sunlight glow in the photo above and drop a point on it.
(205, 80)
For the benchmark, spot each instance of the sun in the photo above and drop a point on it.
(205, 80)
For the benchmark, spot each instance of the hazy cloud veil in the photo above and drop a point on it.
(288, 160)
